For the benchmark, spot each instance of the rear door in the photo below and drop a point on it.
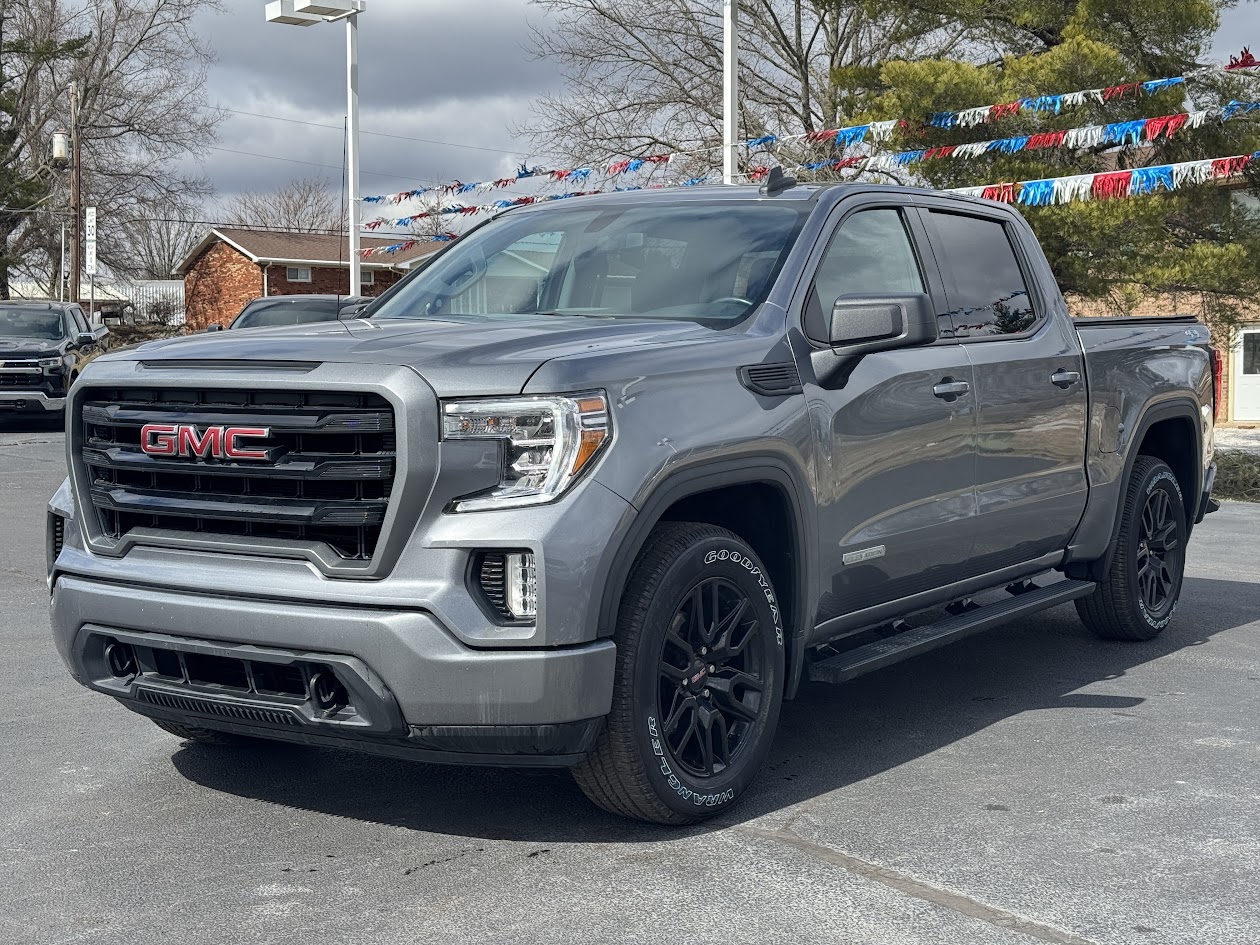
(896, 477)
(1029, 386)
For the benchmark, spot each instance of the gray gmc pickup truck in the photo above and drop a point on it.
(600, 484)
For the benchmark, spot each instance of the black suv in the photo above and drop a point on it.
(277, 310)
(43, 346)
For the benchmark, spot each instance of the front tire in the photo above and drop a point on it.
(699, 680)
(1137, 599)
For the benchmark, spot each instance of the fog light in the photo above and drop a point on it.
(522, 585)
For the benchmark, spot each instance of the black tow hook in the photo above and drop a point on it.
(121, 659)
(327, 692)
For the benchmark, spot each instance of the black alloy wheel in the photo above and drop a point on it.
(711, 682)
(1158, 558)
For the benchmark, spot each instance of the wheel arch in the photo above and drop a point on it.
(709, 492)
(1161, 431)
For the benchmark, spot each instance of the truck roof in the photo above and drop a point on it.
(804, 192)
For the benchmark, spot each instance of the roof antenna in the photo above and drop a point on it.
(776, 183)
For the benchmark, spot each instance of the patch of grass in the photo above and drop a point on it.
(1237, 476)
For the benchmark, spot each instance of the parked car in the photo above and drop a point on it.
(43, 347)
(600, 485)
(276, 310)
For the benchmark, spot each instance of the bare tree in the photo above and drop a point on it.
(306, 205)
(646, 77)
(139, 71)
(157, 244)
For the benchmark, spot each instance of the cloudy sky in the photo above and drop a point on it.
(450, 71)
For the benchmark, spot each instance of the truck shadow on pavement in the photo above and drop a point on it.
(828, 737)
(43, 421)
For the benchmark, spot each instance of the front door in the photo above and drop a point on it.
(1030, 389)
(1246, 375)
(897, 476)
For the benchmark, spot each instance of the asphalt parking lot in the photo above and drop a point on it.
(1028, 785)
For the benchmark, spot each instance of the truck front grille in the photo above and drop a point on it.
(327, 478)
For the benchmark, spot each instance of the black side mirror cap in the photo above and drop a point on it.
(85, 338)
(214, 328)
(865, 323)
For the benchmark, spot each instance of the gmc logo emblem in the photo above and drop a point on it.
(184, 439)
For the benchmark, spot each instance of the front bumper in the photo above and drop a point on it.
(415, 689)
(30, 400)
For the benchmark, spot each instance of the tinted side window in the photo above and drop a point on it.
(987, 291)
(871, 254)
(80, 323)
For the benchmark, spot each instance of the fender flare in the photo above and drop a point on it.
(1180, 408)
(706, 476)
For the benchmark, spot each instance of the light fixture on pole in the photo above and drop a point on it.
(308, 13)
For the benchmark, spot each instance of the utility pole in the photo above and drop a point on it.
(76, 194)
(730, 90)
(352, 149)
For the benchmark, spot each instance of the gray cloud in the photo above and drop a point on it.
(443, 70)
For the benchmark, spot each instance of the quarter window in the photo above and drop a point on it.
(871, 254)
(298, 273)
(988, 295)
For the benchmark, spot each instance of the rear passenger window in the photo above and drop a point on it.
(871, 254)
(79, 323)
(987, 292)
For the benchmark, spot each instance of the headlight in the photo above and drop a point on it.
(50, 362)
(549, 441)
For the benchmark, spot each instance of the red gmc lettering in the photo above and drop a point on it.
(209, 443)
(158, 439)
(233, 434)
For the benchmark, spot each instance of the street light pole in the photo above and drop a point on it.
(352, 149)
(308, 13)
(730, 90)
(76, 194)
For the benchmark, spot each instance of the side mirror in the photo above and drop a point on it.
(85, 339)
(214, 328)
(865, 323)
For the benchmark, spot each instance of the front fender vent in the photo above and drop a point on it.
(771, 380)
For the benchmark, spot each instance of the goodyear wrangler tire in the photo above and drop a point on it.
(1137, 599)
(699, 679)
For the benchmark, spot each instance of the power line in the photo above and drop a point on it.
(379, 134)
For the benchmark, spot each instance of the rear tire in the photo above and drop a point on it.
(1138, 598)
(203, 736)
(699, 680)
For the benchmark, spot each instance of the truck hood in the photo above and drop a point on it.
(491, 355)
(26, 348)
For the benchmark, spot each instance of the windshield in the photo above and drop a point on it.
(696, 261)
(35, 323)
(286, 312)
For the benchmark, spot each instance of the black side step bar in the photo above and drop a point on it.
(883, 653)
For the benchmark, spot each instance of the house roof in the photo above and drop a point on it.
(304, 249)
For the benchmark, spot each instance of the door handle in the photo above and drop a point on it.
(950, 390)
(1065, 379)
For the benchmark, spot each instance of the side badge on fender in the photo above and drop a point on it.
(866, 554)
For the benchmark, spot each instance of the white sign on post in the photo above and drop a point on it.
(89, 249)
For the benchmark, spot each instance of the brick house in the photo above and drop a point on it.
(232, 266)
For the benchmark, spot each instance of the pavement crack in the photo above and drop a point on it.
(907, 885)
